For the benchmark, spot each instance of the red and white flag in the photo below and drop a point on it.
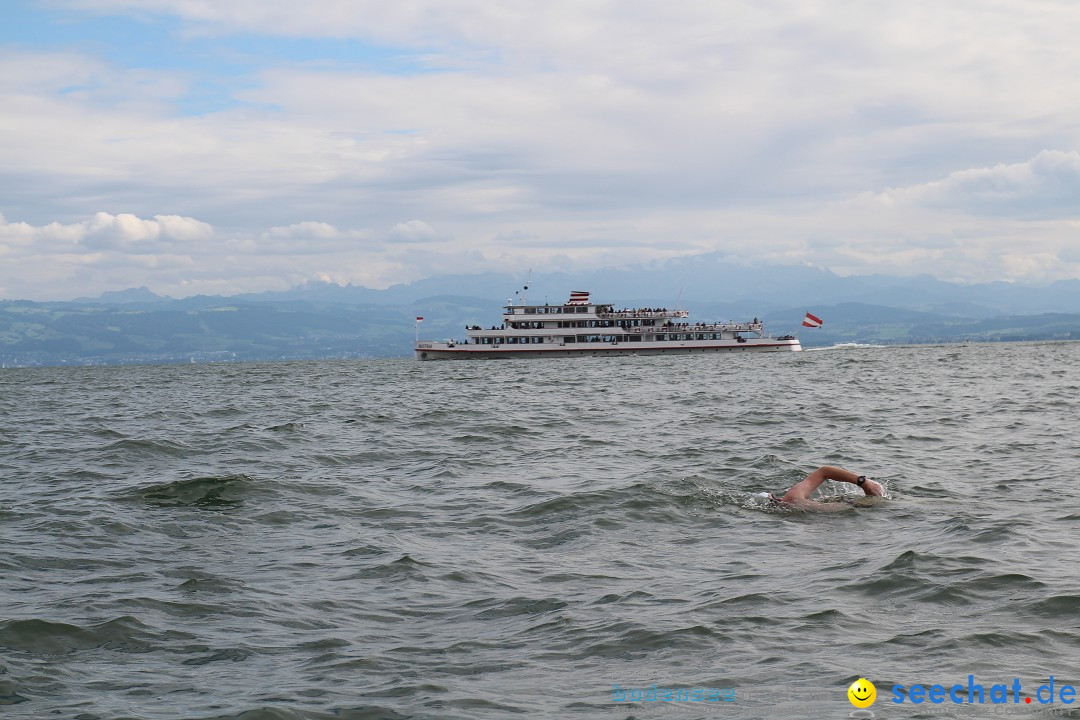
(419, 319)
(812, 321)
(579, 297)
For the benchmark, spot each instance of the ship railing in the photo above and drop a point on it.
(644, 314)
(701, 327)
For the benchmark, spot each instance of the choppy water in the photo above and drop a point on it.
(392, 539)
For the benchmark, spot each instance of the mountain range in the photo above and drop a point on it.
(320, 319)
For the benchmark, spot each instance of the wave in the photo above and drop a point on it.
(204, 492)
(168, 448)
(45, 637)
(285, 427)
(845, 346)
(362, 712)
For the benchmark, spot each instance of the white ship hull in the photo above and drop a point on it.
(448, 351)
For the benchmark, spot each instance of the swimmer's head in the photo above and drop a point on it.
(767, 497)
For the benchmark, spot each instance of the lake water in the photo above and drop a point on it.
(393, 539)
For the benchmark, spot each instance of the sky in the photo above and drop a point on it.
(198, 146)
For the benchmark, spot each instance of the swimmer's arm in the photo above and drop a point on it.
(869, 487)
(802, 490)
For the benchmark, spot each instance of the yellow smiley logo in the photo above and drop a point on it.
(862, 693)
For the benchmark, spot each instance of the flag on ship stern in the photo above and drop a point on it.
(812, 321)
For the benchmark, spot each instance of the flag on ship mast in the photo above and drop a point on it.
(419, 319)
(579, 297)
(812, 321)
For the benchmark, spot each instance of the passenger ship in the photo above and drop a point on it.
(582, 327)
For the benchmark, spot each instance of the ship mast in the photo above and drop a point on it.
(521, 293)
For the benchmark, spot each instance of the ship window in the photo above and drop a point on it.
(635, 338)
(570, 338)
(582, 309)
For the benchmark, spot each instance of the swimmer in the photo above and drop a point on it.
(798, 495)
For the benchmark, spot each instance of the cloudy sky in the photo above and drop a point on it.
(199, 146)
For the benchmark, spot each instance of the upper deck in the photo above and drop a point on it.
(542, 321)
(580, 308)
(527, 313)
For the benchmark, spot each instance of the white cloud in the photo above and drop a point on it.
(413, 231)
(618, 132)
(183, 229)
(1046, 186)
(307, 229)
